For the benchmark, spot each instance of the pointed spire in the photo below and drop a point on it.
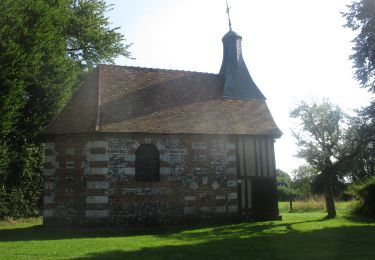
(237, 80)
(229, 22)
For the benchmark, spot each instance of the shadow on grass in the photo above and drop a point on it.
(327, 243)
(294, 238)
(39, 232)
(359, 219)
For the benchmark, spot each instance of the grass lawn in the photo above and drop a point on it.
(297, 236)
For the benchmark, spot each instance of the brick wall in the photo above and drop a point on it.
(91, 179)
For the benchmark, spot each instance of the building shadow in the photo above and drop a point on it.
(40, 232)
(327, 243)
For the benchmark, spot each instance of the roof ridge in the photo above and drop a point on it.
(158, 69)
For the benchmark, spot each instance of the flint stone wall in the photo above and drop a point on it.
(91, 179)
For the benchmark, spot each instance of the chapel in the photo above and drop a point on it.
(140, 146)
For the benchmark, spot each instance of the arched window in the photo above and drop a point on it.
(147, 163)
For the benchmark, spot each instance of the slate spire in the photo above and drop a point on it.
(238, 83)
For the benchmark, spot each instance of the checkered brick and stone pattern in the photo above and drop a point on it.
(91, 179)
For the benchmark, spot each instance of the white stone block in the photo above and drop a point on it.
(165, 170)
(48, 213)
(101, 213)
(130, 171)
(232, 196)
(97, 144)
(135, 145)
(189, 198)
(47, 200)
(200, 171)
(221, 209)
(215, 185)
(69, 165)
(231, 158)
(232, 209)
(97, 157)
(97, 185)
(96, 171)
(96, 199)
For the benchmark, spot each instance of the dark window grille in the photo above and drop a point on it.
(147, 163)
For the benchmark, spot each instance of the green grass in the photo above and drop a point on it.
(315, 205)
(297, 236)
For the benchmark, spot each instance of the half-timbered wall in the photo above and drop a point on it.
(257, 177)
(256, 157)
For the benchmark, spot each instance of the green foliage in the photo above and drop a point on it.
(284, 186)
(46, 48)
(319, 132)
(320, 140)
(364, 193)
(284, 193)
(361, 18)
(282, 178)
(303, 179)
(358, 151)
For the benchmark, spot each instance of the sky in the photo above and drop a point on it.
(295, 50)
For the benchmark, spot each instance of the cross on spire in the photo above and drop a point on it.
(229, 22)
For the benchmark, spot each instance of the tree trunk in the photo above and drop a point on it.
(328, 195)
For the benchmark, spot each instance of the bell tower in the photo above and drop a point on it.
(238, 83)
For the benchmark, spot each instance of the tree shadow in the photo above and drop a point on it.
(265, 240)
(41, 232)
(168, 94)
(359, 219)
(327, 243)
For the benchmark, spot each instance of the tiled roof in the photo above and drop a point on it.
(143, 100)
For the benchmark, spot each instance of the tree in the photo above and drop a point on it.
(46, 48)
(282, 178)
(319, 136)
(304, 177)
(358, 150)
(361, 18)
(284, 183)
(285, 187)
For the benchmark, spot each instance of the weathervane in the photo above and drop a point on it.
(228, 9)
